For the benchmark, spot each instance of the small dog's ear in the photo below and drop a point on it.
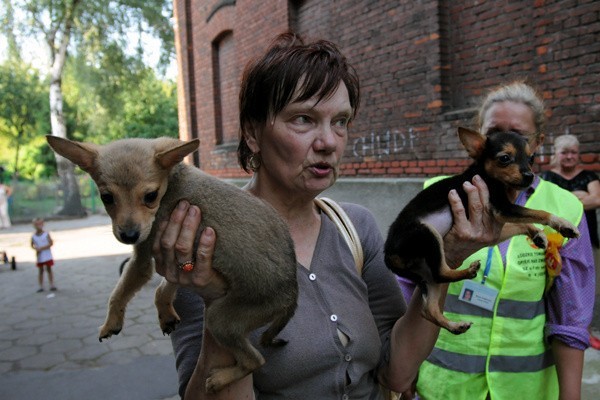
(82, 154)
(168, 158)
(473, 141)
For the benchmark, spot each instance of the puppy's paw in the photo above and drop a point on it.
(569, 231)
(106, 332)
(473, 268)
(219, 378)
(564, 227)
(112, 325)
(540, 240)
(214, 383)
(458, 328)
(169, 326)
(167, 318)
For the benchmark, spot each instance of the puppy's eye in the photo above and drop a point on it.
(107, 199)
(532, 159)
(504, 160)
(151, 197)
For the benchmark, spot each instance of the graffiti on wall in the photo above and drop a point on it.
(391, 142)
(380, 145)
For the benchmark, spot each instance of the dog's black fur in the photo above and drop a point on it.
(414, 246)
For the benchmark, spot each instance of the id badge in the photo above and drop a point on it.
(479, 295)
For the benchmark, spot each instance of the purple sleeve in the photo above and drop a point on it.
(570, 302)
(407, 286)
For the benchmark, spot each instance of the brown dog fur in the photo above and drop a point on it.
(414, 246)
(140, 182)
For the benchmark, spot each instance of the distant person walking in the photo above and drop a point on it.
(42, 242)
(5, 192)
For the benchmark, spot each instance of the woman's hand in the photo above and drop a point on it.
(174, 245)
(468, 235)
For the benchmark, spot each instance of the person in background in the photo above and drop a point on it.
(350, 333)
(41, 242)
(530, 343)
(5, 192)
(567, 173)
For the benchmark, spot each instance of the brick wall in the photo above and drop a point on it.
(232, 32)
(423, 67)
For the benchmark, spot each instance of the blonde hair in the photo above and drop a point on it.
(517, 92)
(560, 143)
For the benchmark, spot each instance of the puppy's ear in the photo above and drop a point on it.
(473, 141)
(82, 154)
(168, 158)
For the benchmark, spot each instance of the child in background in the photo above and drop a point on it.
(42, 242)
(5, 192)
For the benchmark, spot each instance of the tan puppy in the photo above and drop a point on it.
(414, 247)
(141, 181)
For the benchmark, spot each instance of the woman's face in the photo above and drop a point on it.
(568, 157)
(302, 146)
(511, 116)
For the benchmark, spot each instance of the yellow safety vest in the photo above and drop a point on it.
(504, 352)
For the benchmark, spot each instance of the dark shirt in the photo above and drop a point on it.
(579, 182)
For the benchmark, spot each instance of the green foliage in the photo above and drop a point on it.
(24, 113)
(108, 91)
(110, 105)
(100, 26)
(38, 161)
(100, 105)
(151, 111)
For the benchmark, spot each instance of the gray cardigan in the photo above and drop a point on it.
(314, 364)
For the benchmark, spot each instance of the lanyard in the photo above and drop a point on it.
(488, 263)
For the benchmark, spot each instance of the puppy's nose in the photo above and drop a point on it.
(527, 177)
(130, 236)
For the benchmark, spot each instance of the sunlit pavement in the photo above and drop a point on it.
(49, 346)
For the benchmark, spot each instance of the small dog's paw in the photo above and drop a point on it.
(212, 384)
(569, 231)
(106, 332)
(540, 240)
(219, 378)
(167, 319)
(564, 227)
(458, 328)
(112, 325)
(168, 327)
(209, 386)
(473, 268)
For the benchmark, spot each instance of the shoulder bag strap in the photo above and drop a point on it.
(345, 226)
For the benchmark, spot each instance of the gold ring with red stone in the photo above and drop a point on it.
(187, 266)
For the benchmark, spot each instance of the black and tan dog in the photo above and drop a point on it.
(414, 246)
(140, 182)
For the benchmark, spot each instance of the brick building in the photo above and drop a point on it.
(423, 66)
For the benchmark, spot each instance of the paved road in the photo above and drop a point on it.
(48, 341)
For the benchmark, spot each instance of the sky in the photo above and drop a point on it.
(35, 52)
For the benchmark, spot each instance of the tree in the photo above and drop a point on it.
(23, 105)
(128, 102)
(8, 28)
(88, 28)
